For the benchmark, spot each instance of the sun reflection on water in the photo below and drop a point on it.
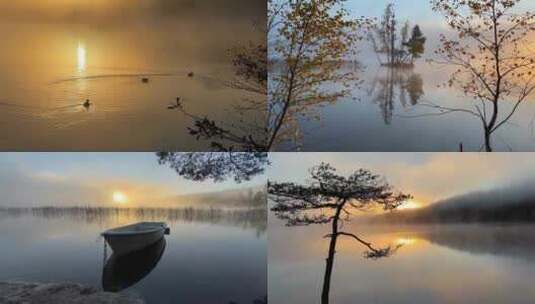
(405, 241)
(81, 52)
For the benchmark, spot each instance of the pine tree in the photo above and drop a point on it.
(416, 44)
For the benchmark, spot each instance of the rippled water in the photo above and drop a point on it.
(435, 264)
(48, 70)
(208, 257)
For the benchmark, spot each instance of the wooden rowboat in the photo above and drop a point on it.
(134, 237)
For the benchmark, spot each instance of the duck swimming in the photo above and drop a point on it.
(190, 74)
(145, 79)
(87, 103)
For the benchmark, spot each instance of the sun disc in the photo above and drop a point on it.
(119, 197)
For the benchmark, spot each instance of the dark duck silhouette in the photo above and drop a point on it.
(190, 74)
(87, 103)
(176, 105)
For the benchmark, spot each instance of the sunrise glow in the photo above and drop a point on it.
(410, 205)
(119, 197)
(405, 241)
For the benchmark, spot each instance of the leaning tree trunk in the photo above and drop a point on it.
(330, 259)
(490, 126)
(488, 147)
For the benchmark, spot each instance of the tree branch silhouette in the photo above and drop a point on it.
(331, 193)
(491, 54)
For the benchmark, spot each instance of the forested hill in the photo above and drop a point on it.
(508, 204)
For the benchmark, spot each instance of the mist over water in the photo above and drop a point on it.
(198, 263)
(495, 263)
(514, 203)
(56, 55)
(386, 112)
(380, 112)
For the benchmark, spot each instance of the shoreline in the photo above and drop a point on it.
(59, 293)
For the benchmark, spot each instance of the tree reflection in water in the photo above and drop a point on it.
(395, 85)
(253, 218)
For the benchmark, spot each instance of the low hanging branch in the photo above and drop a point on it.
(247, 131)
(372, 252)
(302, 205)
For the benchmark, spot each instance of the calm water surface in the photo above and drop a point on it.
(387, 112)
(47, 70)
(209, 257)
(435, 264)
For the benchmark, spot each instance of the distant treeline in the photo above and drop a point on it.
(512, 204)
(254, 197)
(514, 213)
(247, 218)
(278, 63)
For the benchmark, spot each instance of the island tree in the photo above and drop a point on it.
(416, 44)
(490, 52)
(330, 198)
(399, 49)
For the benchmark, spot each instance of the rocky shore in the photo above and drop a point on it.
(60, 293)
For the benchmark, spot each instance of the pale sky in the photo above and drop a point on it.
(427, 176)
(93, 178)
(416, 11)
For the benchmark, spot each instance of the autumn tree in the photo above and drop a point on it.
(251, 75)
(312, 40)
(330, 198)
(490, 54)
(216, 166)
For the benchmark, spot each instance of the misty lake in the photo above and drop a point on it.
(210, 256)
(435, 264)
(49, 68)
(389, 111)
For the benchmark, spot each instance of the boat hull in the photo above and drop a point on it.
(121, 272)
(124, 243)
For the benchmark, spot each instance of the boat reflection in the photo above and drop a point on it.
(121, 272)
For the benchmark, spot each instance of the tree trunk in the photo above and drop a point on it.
(488, 147)
(392, 42)
(330, 259)
(490, 127)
